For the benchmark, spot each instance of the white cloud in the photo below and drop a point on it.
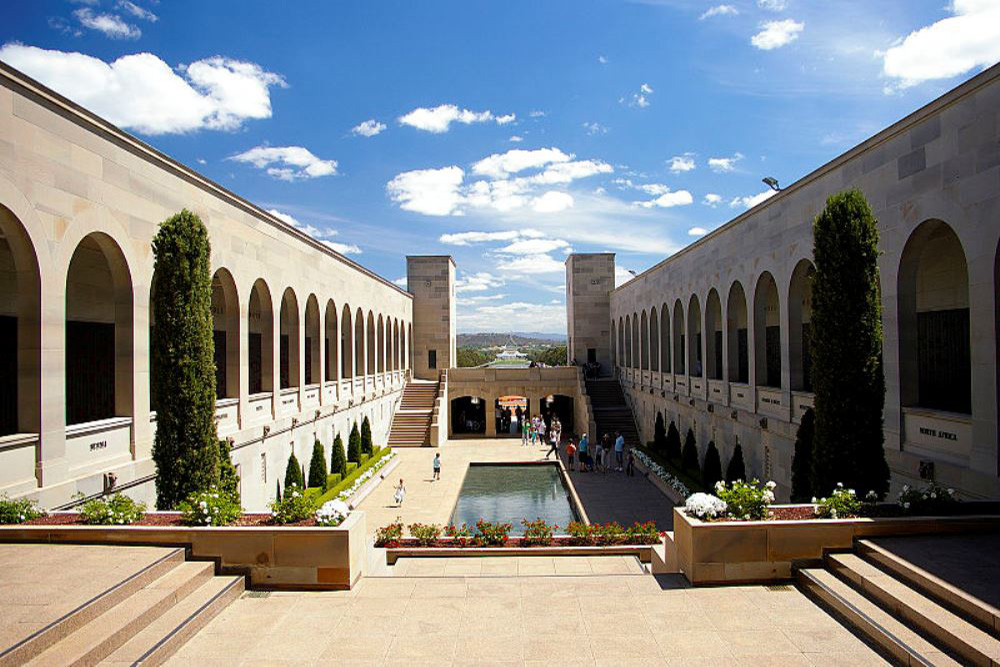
(323, 235)
(368, 128)
(640, 99)
(428, 191)
(697, 231)
(669, 200)
(479, 298)
(533, 246)
(750, 201)
(773, 5)
(537, 114)
(646, 88)
(343, 248)
(711, 199)
(775, 34)
(500, 165)
(439, 119)
(400, 282)
(470, 238)
(719, 10)
(143, 93)
(110, 25)
(287, 163)
(530, 265)
(602, 60)
(722, 165)
(514, 138)
(566, 172)
(681, 163)
(552, 202)
(595, 128)
(516, 316)
(478, 282)
(622, 275)
(947, 48)
(137, 11)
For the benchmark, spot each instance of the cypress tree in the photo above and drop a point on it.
(366, 436)
(277, 493)
(354, 445)
(689, 458)
(659, 434)
(736, 469)
(712, 471)
(293, 473)
(229, 481)
(317, 467)
(673, 446)
(846, 346)
(338, 462)
(185, 450)
(802, 459)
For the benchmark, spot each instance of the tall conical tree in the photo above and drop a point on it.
(317, 467)
(659, 434)
(293, 473)
(689, 457)
(338, 461)
(354, 445)
(185, 449)
(846, 347)
(229, 479)
(802, 459)
(712, 470)
(366, 436)
(736, 469)
(673, 448)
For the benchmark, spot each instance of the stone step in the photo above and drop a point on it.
(160, 639)
(881, 627)
(96, 640)
(62, 627)
(920, 612)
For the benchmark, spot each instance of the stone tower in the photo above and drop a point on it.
(431, 281)
(590, 277)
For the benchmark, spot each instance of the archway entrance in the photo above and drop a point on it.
(560, 407)
(468, 415)
(510, 411)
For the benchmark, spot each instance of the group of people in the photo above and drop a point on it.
(602, 457)
(534, 431)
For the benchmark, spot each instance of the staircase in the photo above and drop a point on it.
(412, 422)
(611, 412)
(913, 616)
(142, 620)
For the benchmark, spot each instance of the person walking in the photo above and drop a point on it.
(570, 452)
(525, 432)
(630, 465)
(437, 467)
(606, 446)
(553, 448)
(400, 494)
(585, 454)
(619, 451)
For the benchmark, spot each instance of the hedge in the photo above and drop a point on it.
(332, 492)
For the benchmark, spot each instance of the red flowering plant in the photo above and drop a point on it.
(390, 535)
(426, 534)
(492, 534)
(537, 532)
(643, 533)
(462, 535)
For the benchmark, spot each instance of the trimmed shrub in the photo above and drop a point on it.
(214, 507)
(747, 501)
(846, 349)
(229, 479)
(673, 443)
(712, 471)
(117, 510)
(802, 459)
(425, 534)
(182, 351)
(18, 510)
(293, 473)
(366, 436)
(659, 435)
(689, 458)
(277, 493)
(736, 470)
(354, 445)
(338, 460)
(317, 467)
(295, 507)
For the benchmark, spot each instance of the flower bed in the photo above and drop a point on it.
(674, 488)
(538, 533)
(346, 489)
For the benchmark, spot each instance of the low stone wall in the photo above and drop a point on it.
(643, 552)
(672, 494)
(282, 558)
(729, 552)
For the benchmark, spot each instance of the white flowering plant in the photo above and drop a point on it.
(210, 508)
(346, 494)
(746, 501)
(705, 506)
(661, 472)
(932, 499)
(332, 513)
(18, 510)
(841, 504)
(294, 507)
(117, 510)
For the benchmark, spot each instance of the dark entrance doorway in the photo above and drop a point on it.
(560, 407)
(468, 415)
(510, 413)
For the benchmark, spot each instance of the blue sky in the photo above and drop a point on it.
(506, 134)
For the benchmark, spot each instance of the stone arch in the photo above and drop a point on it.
(713, 332)
(370, 335)
(799, 331)
(468, 415)
(99, 332)
(20, 329)
(654, 340)
(409, 345)
(311, 345)
(665, 338)
(260, 338)
(696, 366)
(360, 359)
(288, 342)
(331, 343)
(767, 331)
(346, 344)
(226, 333)
(628, 344)
(621, 343)
(644, 342)
(380, 346)
(680, 363)
(738, 334)
(934, 334)
(395, 344)
(636, 345)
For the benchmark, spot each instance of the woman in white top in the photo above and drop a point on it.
(400, 493)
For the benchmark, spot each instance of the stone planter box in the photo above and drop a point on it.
(281, 558)
(644, 552)
(672, 495)
(729, 552)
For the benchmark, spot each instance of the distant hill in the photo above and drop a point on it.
(528, 339)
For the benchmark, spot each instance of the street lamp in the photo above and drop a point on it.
(772, 183)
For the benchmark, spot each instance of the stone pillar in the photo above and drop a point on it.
(590, 277)
(431, 281)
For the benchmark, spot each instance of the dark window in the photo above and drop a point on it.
(680, 355)
(772, 356)
(943, 360)
(8, 370)
(698, 370)
(90, 371)
(432, 358)
(807, 384)
(220, 363)
(717, 375)
(284, 377)
(742, 357)
(591, 355)
(309, 368)
(256, 364)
